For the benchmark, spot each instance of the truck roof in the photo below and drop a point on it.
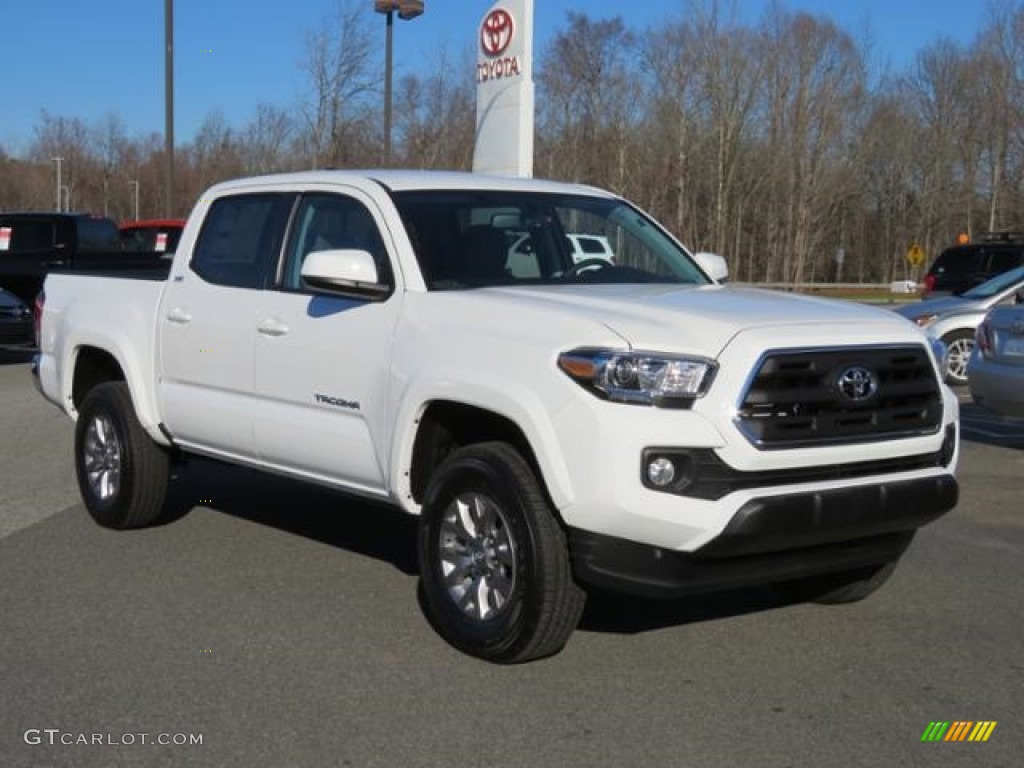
(411, 180)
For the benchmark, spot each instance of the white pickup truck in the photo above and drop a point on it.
(633, 426)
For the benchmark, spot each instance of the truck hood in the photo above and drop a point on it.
(697, 319)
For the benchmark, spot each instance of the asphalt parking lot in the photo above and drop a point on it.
(280, 624)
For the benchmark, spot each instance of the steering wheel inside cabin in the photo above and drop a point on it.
(585, 266)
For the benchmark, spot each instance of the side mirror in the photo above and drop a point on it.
(713, 264)
(348, 272)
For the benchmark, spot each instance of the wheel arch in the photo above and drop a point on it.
(441, 426)
(92, 364)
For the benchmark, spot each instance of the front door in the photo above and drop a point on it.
(323, 361)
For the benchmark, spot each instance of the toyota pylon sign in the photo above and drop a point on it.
(504, 90)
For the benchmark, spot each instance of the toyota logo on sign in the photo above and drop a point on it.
(857, 384)
(496, 32)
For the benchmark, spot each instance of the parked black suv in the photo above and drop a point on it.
(962, 267)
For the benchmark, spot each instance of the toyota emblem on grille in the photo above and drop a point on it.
(857, 383)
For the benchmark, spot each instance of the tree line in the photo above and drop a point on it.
(776, 144)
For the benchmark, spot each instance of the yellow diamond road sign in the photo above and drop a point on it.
(915, 255)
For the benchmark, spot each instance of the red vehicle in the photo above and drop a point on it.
(160, 235)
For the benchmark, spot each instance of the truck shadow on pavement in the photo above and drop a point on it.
(379, 531)
(621, 614)
(387, 534)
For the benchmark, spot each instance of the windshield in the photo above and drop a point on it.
(470, 239)
(995, 285)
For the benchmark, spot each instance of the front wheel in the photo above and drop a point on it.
(122, 473)
(495, 575)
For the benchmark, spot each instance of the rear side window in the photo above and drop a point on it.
(241, 239)
(959, 262)
(26, 235)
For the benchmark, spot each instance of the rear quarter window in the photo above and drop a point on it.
(957, 262)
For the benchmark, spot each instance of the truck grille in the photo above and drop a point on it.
(840, 396)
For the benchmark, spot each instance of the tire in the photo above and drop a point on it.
(122, 472)
(495, 576)
(838, 588)
(959, 345)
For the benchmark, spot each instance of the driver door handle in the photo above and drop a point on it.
(273, 327)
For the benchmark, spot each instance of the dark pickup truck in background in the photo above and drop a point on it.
(34, 244)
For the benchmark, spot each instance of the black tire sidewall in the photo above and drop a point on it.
(500, 636)
(104, 401)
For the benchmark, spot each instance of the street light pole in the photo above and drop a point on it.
(169, 107)
(58, 161)
(407, 9)
(388, 68)
(135, 184)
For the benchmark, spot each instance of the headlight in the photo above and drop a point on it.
(643, 378)
(923, 321)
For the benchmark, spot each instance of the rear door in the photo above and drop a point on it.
(208, 323)
(323, 360)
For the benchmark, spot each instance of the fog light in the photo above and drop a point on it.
(661, 471)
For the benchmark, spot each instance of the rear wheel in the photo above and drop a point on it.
(838, 588)
(122, 473)
(959, 345)
(495, 574)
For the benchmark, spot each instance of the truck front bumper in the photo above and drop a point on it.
(772, 539)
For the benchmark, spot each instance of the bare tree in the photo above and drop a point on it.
(588, 100)
(66, 138)
(435, 115)
(765, 142)
(338, 62)
(266, 142)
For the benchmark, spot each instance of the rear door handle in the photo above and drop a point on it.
(179, 316)
(272, 327)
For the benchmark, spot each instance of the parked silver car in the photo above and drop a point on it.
(954, 319)
(996, 367)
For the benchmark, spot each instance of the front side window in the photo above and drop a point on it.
(467, 239)
(327, 222)
(241, 239)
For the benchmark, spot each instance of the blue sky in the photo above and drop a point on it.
(86, 60)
